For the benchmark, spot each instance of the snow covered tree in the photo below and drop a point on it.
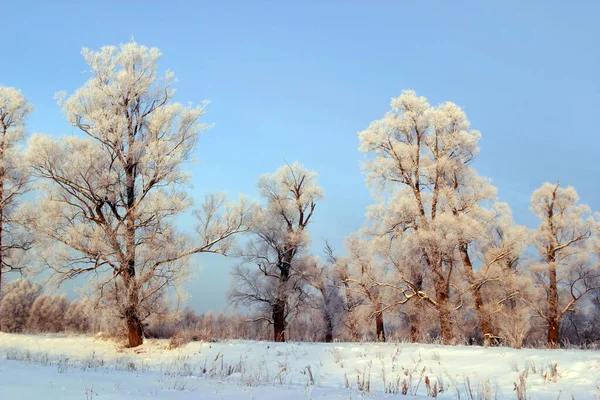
(47, 314)
(327, 301)
(188, 318)
(14, 178)
(469, 191)
(405, 283)
(111, 193)
(16, 304)
(501, 278)
(420, 155)
(79, 316)
(351, 300)
(365, 278)
(565, 242)
(273, 279)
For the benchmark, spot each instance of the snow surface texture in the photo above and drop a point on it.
(79, 367)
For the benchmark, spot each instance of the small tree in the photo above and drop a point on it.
(16, 304)
(501, 278)
(564, 240)
(111, 195)
(48, 314)
(14, 178)
(352, 300)
(365, 277)
(327, 301)
(276, 283)
(79, 316)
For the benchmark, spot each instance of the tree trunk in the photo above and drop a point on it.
(350, 306)
(379, 327)
(279, 321)
(414, 321)
(134, 329)
(352, 325)
(552, 290)
(445, 323)
(444, 316)
(415, 328)
(132, 312)
(132, 301)
(553, 317)
(328, 337)
(327, 314)
(328, 328)
(485, 324)
(553, 333)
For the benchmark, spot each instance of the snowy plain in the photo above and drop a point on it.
(83, 367)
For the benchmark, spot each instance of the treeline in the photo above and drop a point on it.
(24, 308)
(439, 257)
(439, 254)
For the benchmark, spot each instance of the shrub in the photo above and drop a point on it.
(16, 304)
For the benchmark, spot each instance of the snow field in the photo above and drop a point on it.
(81, 367)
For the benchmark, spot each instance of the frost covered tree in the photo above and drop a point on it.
(79, 316)
(404, 279)
(274, 276)
(111, 192)
(188, 318)
(419, 155)
(565, 241)
(47, 314)
(14, 179)
(468, 192)
(16, 304)
(364, 277)
(327, 301)
(500, 277)
(351, 302)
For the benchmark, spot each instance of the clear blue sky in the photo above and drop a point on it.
(298, 80)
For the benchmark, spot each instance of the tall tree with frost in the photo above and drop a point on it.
(111, 194)
(14, 178)
(420, 156)
(565, 242)
(276, 284)
(468, 191)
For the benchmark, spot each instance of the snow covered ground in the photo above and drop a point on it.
(78, 367)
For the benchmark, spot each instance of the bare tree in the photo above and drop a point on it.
(274, 277)
(111, 194)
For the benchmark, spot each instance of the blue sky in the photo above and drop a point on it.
(298, 80)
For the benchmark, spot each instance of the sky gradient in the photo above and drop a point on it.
(297, 81)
